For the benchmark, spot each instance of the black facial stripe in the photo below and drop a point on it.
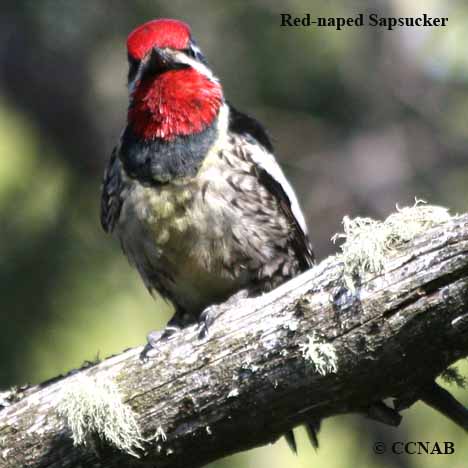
(190, 52)
(133, 65)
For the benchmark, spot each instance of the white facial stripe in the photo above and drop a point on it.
(196, 49)
(132, 84)
(223, 120)
(200, 67)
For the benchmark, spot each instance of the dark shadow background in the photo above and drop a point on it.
(362, 119)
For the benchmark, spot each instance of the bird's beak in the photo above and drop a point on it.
(156, 62)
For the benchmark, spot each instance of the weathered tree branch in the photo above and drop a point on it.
(255, 376)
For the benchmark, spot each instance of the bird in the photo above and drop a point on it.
(193, 191)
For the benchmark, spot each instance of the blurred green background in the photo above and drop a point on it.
(362, 119)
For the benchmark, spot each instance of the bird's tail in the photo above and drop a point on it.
(312, 429)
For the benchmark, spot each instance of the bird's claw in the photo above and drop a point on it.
(211, 313)
(154, 338)
(207, 318)
(147, 353)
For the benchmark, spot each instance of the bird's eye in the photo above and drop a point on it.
(194, 52)
(190, 52)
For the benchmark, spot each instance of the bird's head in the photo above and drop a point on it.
(172, 91)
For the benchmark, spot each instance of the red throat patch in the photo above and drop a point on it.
(158, 33)
(175, 103)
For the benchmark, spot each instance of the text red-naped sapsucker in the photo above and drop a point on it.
(192, 190)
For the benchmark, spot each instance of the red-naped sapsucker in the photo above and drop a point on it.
(192, 190)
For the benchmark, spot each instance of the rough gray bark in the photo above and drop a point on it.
(249, 381)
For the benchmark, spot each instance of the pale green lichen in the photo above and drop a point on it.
(94, 406)
(320, 354)
(368, 243)
(4, 453)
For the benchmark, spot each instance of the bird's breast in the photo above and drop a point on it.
(161, 214)
(179, 240)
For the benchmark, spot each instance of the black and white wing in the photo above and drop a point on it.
(111, 202)
(272, 178)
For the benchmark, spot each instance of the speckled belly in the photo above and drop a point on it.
(179, 245)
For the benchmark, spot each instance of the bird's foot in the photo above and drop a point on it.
(291, 441)
(154, 338)
(207, 318)
(312, 428)
(211, 313)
